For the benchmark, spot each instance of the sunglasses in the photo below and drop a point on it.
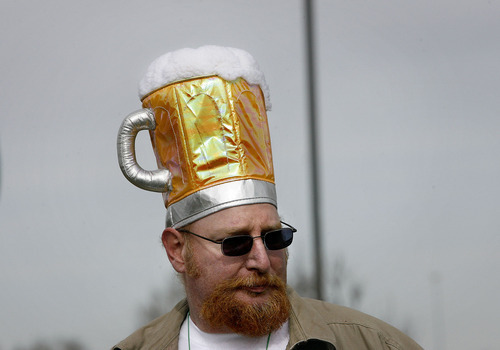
(241, 245)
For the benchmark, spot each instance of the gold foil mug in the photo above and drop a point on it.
(212, 146)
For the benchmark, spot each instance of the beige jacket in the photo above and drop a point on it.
(313, 325)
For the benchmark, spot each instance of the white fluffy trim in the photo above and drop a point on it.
(225, 62)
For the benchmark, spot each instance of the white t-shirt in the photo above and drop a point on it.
(207, 341)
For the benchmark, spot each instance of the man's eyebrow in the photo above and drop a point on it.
(235, 232)
(245, 231)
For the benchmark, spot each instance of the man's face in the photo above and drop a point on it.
(210, 269)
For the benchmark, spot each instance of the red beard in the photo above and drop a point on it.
(223, 309)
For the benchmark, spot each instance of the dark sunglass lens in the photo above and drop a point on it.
(279, 239)
(236, 246)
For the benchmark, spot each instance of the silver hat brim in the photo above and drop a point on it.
(213, 199)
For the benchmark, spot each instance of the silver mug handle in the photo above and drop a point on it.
(151, 180)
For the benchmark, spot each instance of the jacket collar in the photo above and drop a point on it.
(306, 324)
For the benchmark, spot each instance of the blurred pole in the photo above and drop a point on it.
(316, 215)
(0, 173)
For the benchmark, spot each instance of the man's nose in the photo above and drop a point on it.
(257, 258)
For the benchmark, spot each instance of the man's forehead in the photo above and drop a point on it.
(240, 217)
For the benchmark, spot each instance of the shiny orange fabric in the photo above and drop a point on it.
(210, 131)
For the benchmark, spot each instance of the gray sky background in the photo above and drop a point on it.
(409, 107)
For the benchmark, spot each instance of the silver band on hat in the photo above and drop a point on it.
(222, 196)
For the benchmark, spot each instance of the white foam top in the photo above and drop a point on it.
(226, 62)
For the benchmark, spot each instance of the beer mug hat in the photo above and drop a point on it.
(206, 112)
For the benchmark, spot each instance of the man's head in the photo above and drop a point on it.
(206, 110)
(244, 294)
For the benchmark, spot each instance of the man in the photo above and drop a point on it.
(206, 109)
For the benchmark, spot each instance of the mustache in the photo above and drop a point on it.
(266, 280)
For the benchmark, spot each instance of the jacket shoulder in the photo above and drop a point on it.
(351, 327)
(161, 333)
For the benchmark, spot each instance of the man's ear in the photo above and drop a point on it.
(173, 241)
